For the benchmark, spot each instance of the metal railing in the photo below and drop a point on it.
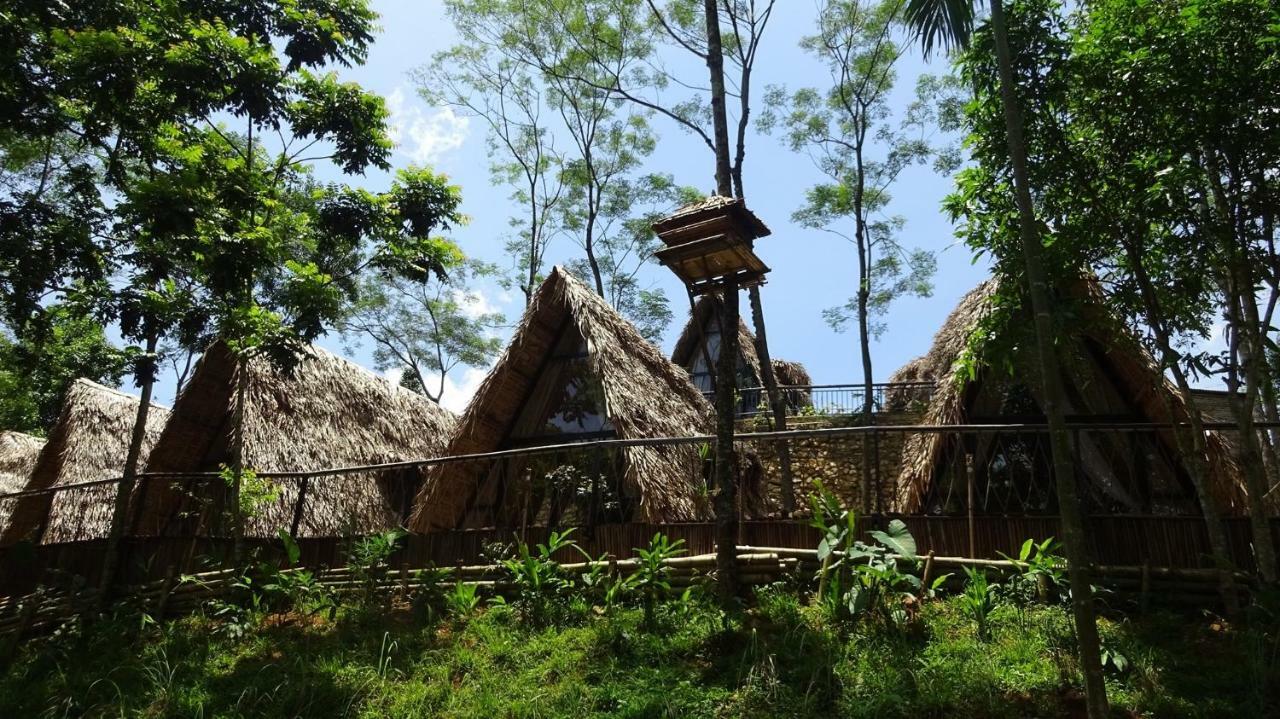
(834, 400)
(949, 473)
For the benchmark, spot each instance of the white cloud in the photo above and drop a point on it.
(459, 388)
(456, 396)
(424, 135)
(474, 303)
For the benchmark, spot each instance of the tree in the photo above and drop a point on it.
(604, 141)
(214, 226)
(39, 363)
(950, 23)
(845, 129)
(427, 331)
(1198, 230)
(480, 81)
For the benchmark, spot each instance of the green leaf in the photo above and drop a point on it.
(291, 548)
(898, 539)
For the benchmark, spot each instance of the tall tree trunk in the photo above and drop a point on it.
(1191, 442)
(1255, 475)
(124, 490)
(726, 506)
(591, 254)
(1073, 532)
(719, 118)
(727, 363)
(863, 242)
(237, 457)
(776, 402)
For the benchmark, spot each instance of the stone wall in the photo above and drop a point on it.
(835, 461)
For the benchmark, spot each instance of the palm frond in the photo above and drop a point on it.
(941, 23)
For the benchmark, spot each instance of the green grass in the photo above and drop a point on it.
(783, 660)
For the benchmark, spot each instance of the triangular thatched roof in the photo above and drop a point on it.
(704, 316)
(645, 396)
(705, 312)
(88, 443)
(1100, 363)
(325, 413)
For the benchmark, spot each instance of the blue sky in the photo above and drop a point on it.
(812, 270)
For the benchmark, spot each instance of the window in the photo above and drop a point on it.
(567, 400)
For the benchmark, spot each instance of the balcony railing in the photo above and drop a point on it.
(835, 400)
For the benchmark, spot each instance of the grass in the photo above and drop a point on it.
(784, 659)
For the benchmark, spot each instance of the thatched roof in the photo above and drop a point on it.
(701, 320)
(644, 395)
(712, 206)
(1102, 349)
(88, 443)
(18, 454)
(325, 413)
(792, 374)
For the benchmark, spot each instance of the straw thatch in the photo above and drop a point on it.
(89, 442)
(705, 318)
(1101, 354)
(791, 374)
(18, 454)
(644, 395)
(326, 412)
(708, 209)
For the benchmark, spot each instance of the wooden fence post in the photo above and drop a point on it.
(968, 473)
(304, 483)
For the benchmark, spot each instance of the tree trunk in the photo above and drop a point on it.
(1191, 443)
(720, 121)
(1073, 532)
(726, 475)
(237, 457)
(124, 491)
(1251, 454)
(863, 242)
(727, 362)
(777, 404)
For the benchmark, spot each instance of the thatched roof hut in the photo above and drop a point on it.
(18, 455)
(575, 370)
(703, 331)
(88, 443)
(1107, 376)
(326, 412)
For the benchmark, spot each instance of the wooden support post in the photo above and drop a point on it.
(165, 590)
(969, 489)
(1144, 598)
(303, 485)
(928, 570)
(725, 499)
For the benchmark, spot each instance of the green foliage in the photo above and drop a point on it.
(848, 130)
(463, 600)
(426, 329)
(369, 559)
(1041, 571)
(978, 600)
(542, 589)
(651, 578)
(863, 582)
(45, 356)
(253, 492)
(791, 662)
(142, 124)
